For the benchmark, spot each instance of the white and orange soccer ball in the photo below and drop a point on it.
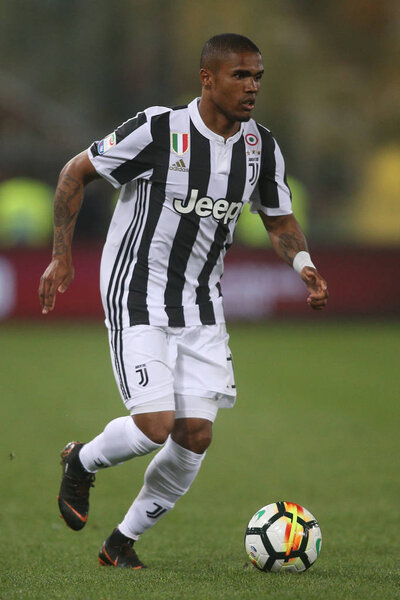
(283, 537)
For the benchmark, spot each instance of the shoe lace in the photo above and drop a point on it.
(82, 485)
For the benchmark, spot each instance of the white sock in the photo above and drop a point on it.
(120, 440)
(168, 476)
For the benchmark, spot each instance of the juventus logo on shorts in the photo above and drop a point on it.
(144, 376)
(159, 510)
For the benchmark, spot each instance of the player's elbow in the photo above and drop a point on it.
(79, 169)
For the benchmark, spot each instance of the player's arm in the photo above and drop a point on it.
(67, 202)
(288, 241)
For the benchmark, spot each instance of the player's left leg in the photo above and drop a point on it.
(168, 477)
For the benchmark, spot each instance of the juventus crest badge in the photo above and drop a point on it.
(254, 169)
(141, 370)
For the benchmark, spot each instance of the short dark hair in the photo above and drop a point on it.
(222, 44)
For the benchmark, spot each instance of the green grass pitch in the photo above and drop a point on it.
(316, 423)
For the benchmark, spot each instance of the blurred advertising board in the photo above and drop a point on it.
(256, 284)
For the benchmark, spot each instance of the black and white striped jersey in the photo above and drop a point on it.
(183, 189)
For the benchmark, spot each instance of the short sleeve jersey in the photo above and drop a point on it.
(183, 188)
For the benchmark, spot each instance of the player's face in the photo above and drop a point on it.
(235, 85)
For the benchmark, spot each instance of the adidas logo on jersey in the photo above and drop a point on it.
(220, 209)
(179, 166)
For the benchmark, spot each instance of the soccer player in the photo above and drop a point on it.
(185, 174)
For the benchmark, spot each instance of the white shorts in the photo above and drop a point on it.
(185, 369)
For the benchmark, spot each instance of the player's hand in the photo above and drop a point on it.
(317, 287)
(56, 278)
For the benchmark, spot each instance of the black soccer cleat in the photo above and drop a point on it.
(117, 551)
(73, 499)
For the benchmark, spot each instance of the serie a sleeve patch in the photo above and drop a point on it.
(108, 142)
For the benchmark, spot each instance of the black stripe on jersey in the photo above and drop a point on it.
(287, 185)
(122, 366)
(93, 149)
(117, 355)
(186, 234)
(121, 265)
(117, 264)
(129, 126)
(207, 316)
(142, 162)
(118, 278)
(142, 201)
(124, 130)
(137, 297)
(235, 190)
(267, 186)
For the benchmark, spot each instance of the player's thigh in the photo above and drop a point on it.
(193, 413)
(204, 367)
(142, 369)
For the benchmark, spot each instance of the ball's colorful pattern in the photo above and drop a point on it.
(283, 536)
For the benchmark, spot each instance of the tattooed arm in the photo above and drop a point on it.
(288, 239)
(67, 202)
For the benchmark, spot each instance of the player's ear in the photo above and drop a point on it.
(206, 78)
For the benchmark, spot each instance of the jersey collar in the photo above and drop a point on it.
(204, 130)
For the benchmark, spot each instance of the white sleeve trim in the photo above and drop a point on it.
(272, 212)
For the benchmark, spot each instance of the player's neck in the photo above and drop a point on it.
(216, 120)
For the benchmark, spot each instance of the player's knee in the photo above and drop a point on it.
(200, 441)
(156, 426)
(193, 436)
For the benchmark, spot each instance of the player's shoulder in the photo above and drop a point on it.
(139, 123)
(258, 139)
(155, 116)
(254, 127)
(154, 111)
(138, 127)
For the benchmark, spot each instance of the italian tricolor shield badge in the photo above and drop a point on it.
(180, 143)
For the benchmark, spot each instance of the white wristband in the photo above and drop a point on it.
(301, 260)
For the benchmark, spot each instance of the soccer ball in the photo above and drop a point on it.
(283, 537)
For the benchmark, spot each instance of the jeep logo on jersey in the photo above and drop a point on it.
(180, 143)
(220, 209)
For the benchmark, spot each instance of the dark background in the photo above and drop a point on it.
(71, 71)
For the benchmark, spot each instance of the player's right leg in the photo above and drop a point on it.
(141, 367)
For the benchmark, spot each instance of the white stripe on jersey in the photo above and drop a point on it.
(163, 257)
(282, 186)
(158, 275)
(277, 175)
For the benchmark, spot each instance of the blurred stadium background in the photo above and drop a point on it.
(71, 71)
